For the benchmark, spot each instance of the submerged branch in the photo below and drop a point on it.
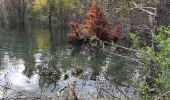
(162, 95)
(11, 89)
(118, 45)
(129, 58)
(105, 91)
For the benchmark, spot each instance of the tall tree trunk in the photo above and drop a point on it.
(61, 19)
(51, 9)
(163, 12)
(21, 9)
(4, 13)
(23, 13)
(49, 17)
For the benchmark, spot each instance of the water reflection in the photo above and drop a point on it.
(31, 61)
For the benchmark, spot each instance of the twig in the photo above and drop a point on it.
(142, 8)
(149, 8)
(124, 93)
(19, 98)
(62, 89)
(105, 91)
(162, 95)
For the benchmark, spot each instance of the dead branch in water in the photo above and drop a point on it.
(11, 89)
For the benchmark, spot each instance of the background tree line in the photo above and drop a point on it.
(19, 13)
(130, 13)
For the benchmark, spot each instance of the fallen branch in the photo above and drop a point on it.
(162, 95)
(11, 89)
(118, 45)
(133, 59)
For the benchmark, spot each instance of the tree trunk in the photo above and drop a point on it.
(4, 14)
(23, 13)
(49, 17)
(21, 9)
(163, 12)
(61, 19)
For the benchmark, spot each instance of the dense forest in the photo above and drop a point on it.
(120, 34)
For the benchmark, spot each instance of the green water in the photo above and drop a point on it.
(31, 61)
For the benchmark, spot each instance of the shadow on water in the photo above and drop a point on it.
(32, 61)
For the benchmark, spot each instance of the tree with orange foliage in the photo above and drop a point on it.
(96, 24)
(115, 34)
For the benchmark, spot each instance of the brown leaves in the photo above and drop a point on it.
(115, 34)
(95, 25)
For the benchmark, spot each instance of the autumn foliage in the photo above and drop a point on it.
(96, 24)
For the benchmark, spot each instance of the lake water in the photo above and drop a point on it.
(30, 62)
